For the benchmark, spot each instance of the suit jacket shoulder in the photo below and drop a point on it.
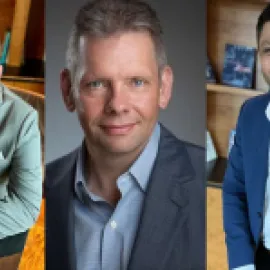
(56, 169)
(197, 156)
(172, 146)
(254, 107)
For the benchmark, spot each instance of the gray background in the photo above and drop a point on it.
(184, 34)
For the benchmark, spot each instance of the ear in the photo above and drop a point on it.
(65, 83)
(1, 71)
(165, 87)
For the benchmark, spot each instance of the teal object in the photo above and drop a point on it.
(4, 54)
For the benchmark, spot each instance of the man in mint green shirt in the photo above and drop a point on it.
(20, 167)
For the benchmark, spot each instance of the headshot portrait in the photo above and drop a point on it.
(246, 187)
(125, 173)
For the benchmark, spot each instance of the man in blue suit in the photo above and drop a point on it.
(246, 188)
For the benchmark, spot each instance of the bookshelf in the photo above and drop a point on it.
(25, 66)
(234, 22)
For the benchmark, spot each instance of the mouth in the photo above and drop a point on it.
(114, 130)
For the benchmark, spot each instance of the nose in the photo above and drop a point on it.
(118, 101)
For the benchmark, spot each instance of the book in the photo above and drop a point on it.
(231, 140)
(5, 48)
(239, 64)
(260, 83)
(210, 76)
(211, 153)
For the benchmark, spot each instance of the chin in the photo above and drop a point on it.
(122, 146)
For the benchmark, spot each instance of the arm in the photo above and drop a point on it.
(25, 180)
(239, 242)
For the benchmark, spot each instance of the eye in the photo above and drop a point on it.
(95, 84)
(266, 50)
(138, 82)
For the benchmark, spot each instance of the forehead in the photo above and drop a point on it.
(265, 34)
(127, 49)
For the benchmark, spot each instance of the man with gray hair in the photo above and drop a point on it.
(132, 195)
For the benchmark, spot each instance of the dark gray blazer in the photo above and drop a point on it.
(171, 231)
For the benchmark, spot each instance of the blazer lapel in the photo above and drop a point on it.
(59, 202)
(262, 157)
(166, 207)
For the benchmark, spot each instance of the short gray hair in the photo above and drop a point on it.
(103, 18)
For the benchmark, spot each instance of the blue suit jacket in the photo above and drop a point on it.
(245, 182)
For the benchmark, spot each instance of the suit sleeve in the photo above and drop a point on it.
(240, 247)
(25, 178)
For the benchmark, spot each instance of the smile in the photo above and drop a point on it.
(114, 130)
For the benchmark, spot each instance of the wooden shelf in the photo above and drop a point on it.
(219, 88)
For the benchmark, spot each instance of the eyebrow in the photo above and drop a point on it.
(108, 78)
(264, 42)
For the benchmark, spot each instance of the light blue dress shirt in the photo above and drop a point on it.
(266, 223)
(104, 235)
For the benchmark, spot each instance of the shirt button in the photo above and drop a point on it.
(113, 224)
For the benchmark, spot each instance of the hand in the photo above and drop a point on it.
(1, 71)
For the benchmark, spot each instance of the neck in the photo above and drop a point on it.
(105, 170)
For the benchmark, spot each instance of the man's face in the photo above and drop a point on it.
(120, 93)
(264, 51)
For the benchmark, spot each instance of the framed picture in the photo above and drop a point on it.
(238, 66)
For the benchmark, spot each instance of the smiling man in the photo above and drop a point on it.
(246, 188)
(132, 195)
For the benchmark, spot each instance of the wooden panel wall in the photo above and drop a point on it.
(35, 31)
(26, 20)
(6, 16)
(18, 32)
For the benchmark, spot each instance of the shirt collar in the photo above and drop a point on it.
(80, 172)
(140, 169)
(267, 111)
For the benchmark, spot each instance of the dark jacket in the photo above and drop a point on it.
(171, 231)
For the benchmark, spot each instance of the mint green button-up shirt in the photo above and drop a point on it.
(20, 164)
